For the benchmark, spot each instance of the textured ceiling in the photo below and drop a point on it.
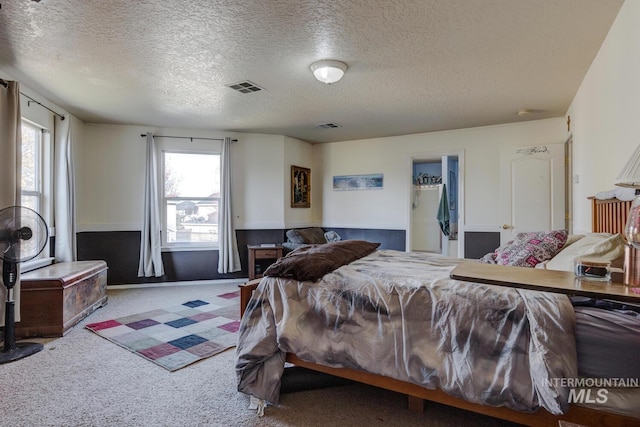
(414, 65)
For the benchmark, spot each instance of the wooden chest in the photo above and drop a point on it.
(56, 297)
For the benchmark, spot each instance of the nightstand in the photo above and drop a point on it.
(261, 257)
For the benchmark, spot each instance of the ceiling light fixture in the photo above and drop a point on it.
(328, 71)
(529, 111)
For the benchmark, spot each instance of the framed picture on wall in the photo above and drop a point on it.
(372, 181)
(300, 187)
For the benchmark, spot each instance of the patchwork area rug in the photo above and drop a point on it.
(175, 337)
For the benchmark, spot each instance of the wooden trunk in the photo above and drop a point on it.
(56, 297)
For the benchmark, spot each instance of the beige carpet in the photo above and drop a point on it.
(82, 379)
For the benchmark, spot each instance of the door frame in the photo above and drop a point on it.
(569, 182)
(430, 156)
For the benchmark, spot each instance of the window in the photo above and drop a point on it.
(36, 180)
(191, 196)
(31, 186)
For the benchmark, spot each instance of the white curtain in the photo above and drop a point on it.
(228, 258)
(10, 167)
(150, 241)
(65, 206)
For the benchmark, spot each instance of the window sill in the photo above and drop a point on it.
(189, 248)
(35, 264)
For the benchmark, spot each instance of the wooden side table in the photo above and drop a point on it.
(260, 257)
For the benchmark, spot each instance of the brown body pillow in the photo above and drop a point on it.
(309, 263)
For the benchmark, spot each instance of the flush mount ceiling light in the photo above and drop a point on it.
(328, 71)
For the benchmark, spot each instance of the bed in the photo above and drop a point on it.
(475, 348)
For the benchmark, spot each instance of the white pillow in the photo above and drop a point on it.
(604, 246)
(572, 238)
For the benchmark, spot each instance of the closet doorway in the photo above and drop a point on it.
(435, 200)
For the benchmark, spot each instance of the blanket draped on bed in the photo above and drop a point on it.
(399, 315)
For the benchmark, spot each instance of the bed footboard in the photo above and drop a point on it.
(246, 290)
(417, 395)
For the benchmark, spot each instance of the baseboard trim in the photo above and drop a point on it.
(182, 283)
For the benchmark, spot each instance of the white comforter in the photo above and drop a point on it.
(399, 315)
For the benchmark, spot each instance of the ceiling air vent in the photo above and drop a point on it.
(327, 126)
(246, 87)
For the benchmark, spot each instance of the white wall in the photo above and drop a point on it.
(605, 114)
(110, 176)
(258, 183)
(389, 208)
(34, 112)
(297, 153)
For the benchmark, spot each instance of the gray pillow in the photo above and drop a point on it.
(311, 235)
(332, 236)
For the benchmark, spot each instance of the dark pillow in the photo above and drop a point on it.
(309, 263)
(528, 249)
(311, 235)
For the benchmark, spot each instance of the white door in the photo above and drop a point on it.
(531, 189)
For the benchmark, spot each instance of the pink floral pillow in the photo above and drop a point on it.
(528, 249)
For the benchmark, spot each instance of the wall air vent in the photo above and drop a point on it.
(246, 87)
(327, 125)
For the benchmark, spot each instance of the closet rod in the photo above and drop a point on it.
(187, 137)
(5, 84)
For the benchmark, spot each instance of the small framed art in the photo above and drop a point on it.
(300, 187)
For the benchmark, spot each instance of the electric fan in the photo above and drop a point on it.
(23, 235)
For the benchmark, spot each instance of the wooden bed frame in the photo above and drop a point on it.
(608, 215)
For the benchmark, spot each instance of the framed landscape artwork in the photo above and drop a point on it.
(300, 187)
(372, 181)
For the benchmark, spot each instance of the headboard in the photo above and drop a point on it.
(609, 216)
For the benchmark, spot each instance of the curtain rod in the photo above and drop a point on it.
(187, 137)
(5, 84)
(40, 104)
